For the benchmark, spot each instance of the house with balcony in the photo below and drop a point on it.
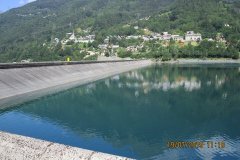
(192, 36)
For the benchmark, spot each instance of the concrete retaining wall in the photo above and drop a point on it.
(18, 85)
(53, 63)
(15, 147)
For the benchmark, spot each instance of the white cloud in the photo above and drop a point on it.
(23, 2)
(29, 1)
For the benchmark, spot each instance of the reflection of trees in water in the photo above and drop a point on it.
(147, 121)
(166, 78)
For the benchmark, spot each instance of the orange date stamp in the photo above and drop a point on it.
(195, 144)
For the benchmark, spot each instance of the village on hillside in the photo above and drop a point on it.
(110, 48)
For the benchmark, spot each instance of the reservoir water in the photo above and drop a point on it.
(137, 114)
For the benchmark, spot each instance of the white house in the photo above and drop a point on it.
(106, 40)
(115, 46)
(102, 46)
(136, 27)
(132, 48)
(146, 38)
(56, 40)
(191, 36)
(86, 39)
(177, 38)
(166, 36)
(132, 37)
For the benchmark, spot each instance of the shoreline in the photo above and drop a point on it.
(55, 63)
(69, 76)
(19, 85)
(19, 82)
(201, 61)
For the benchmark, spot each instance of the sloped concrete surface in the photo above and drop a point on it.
(18, 85)
(15, 147)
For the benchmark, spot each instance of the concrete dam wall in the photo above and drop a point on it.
(15, 147)
(18, 85)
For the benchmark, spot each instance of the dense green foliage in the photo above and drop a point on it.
(208, 17)
(23, 31)
(205, 49)
(44, 19)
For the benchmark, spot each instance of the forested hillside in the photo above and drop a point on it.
(23, 31)
(44, 18)
(40, 20)
(208, 17)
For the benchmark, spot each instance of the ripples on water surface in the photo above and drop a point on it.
(135, 114)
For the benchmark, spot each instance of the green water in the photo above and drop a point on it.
(136, 114)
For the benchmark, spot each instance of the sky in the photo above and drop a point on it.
(9, 4)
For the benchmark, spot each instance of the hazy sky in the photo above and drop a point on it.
(8, 4)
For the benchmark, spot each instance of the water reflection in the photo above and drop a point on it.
(137, 113)
(163, 82)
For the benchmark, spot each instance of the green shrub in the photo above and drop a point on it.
(166, 57)
(235, 55)
(92, 58)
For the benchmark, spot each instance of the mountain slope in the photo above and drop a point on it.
(43, 18)
(208, 17)
(24, 30)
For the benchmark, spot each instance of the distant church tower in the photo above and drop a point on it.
(72, 37)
